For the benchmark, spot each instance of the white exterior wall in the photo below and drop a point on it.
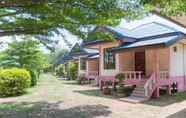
(79, 68)
(178, 65)
(177, 60)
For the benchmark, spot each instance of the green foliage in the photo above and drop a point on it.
(34, 77)
(48, 68)
(46, 16)
(72, 71)
(14, 81)
(24, 54)
(120, 78)
(167, 7)
(80, 79)
(60, 70)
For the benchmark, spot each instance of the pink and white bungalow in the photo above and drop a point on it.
(87, 60)
(151, 54)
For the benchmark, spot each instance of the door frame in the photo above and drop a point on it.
(144, 61)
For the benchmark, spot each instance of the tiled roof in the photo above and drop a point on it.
(165, 40)
(149, 26)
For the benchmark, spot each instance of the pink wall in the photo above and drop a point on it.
(93, 65)
(181, 80)
(126, 61)
(160, 55)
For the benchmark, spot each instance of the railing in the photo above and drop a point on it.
(92, 74)
(132, 74)
(150, 85)
(163, 75)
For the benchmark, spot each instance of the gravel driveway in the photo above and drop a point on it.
(54, 98)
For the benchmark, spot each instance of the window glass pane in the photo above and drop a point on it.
(109, 59)
(83, 64)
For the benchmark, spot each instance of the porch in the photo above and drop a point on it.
(143, 68)
(89, 68)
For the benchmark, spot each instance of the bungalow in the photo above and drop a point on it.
(152, 55)
(87, 60)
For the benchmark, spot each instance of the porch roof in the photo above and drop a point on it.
(78, 50)
(64, 59)
(163, 40)
(94, 56)
(150, 25)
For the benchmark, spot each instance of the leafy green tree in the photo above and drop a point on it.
(167, 7)
(24, 54)
(45, 17)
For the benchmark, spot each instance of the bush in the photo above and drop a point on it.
(120, 77)
(72, 71)
(14, 81)
(48, 68)
(34, 77)
(60, 70)
(80, 79)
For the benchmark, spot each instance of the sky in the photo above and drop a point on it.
(61, 44)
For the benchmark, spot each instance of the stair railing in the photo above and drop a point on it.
(150, 85)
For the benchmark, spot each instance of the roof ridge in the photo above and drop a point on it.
(161, 36)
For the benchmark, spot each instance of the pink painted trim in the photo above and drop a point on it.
(181, 80)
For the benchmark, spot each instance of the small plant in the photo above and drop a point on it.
(80, 79)
(106, 89)
(120, 78)
(60, 70)
(14, 81)
(120, 89)
(72, 71)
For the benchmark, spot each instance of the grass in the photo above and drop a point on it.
(44, 91)
(45, 100)
(167, 99)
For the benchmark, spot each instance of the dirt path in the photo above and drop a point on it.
(54, 98)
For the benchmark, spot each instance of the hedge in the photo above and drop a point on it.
(14, 81)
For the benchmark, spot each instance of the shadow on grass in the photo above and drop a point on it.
(180, 114)
(95, 93)
(70, 82)
(51, 110)
(166, 100)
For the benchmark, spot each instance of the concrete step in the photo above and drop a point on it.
(132, 99)
(138, 92)
(138, 95)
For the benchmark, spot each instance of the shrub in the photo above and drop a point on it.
(34, 77)
(120, 78)
(60, 70)
(72, 71)
(14, 81)
(80, 79)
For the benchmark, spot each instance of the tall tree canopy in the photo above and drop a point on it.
(48, 16)
(167, 7)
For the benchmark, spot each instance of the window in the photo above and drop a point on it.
(175, 49)
(83, 64)
(109, 59)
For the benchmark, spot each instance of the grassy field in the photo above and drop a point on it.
(53, 98)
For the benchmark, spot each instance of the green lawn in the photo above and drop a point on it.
(47, 91)
(49, 97)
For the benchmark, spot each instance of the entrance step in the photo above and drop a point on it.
(132, 99)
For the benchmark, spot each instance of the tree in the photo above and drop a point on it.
(167, 7)
(45, 17)
(24, 54)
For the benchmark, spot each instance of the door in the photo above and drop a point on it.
(140, 61)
